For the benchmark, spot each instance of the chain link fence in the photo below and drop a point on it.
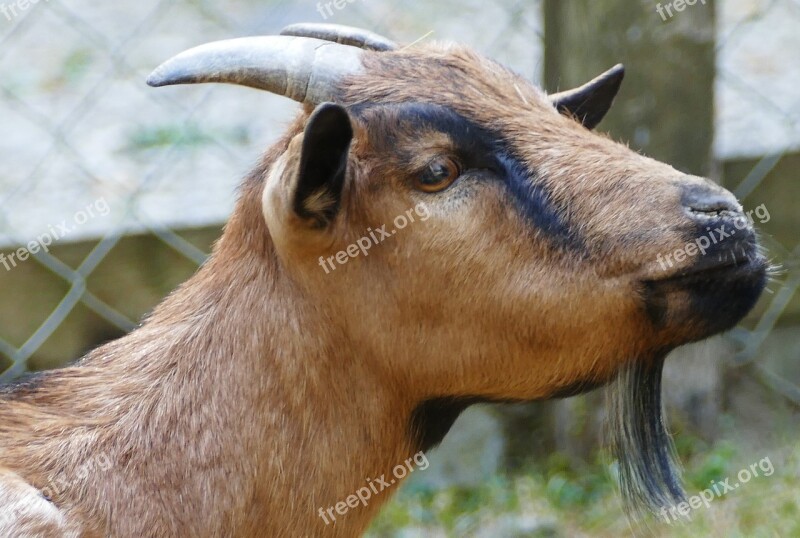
(751, 82)
(91, 156)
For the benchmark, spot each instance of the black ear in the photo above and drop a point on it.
(590, 102)
(323, 163)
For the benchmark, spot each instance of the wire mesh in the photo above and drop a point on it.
(80, 126)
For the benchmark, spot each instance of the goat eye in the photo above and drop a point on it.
(438, 175)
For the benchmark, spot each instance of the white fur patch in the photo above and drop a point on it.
(270, 198)
(25, 513)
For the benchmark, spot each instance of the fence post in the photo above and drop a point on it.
(665, 109)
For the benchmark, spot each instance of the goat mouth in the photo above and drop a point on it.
(733, 267)
(709, 297)
(739, 260)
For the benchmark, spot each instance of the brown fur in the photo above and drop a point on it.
(264, 388)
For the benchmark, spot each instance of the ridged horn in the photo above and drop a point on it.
(344, 35)
(304, 69)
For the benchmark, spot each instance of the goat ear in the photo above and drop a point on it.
(590, 102)
(323, 164)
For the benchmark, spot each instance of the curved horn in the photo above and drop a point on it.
(590, 102)
(303, 69)
(344, 35)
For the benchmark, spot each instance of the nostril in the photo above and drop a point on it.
(705, 202)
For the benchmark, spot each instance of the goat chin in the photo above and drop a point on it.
(649, 476)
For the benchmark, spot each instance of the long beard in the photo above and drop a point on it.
(649, 476)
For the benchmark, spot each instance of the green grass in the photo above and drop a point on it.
(559, 498)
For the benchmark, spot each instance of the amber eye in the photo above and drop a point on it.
(438, 175)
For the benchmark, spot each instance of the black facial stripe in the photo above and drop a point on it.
(655, 304)
(482, 148)
(534, 200)
(475, 145)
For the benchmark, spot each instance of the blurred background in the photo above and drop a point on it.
(131, 185)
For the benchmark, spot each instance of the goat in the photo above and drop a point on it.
(266, 387)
